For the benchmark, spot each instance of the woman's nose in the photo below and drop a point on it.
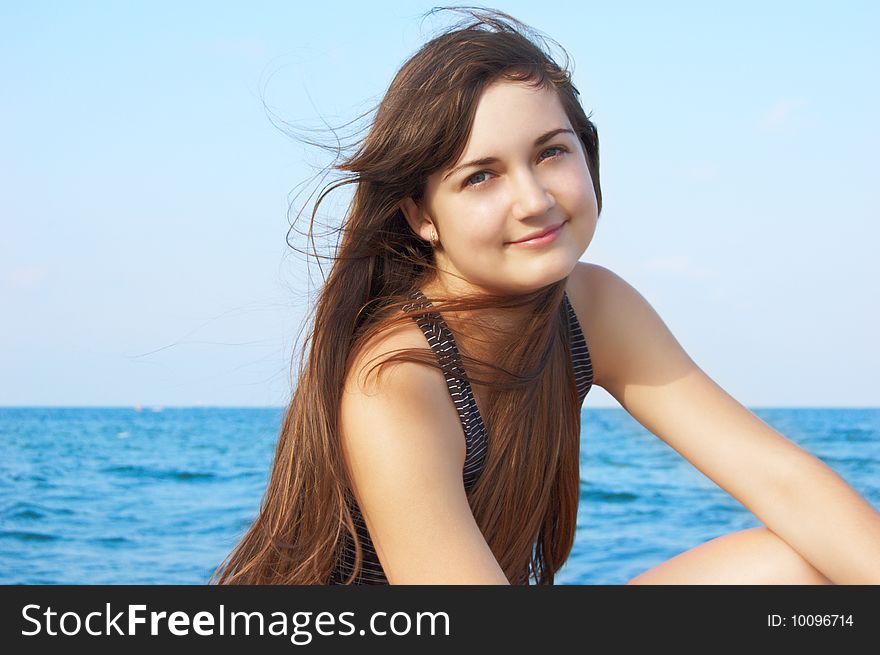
(532, 197)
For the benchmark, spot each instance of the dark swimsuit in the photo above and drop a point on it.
(443, 344)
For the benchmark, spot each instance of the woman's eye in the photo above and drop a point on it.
(559, 148)
(469, 182)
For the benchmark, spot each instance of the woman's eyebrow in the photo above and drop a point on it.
(485, 161)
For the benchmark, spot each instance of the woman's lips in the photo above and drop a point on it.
(540, 241)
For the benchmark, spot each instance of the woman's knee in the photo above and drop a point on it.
(751, 556)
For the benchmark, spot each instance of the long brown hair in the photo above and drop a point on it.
(525, 500)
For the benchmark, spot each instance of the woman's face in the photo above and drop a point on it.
(479, 209)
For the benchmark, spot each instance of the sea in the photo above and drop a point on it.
(160, 495)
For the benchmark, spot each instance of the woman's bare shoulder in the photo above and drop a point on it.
(585, 287)
(362, 377)
(377, 402)
(404, 447)
(596, 294)
(626, 337)
(588, 279)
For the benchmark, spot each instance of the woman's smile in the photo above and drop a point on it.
(539, 242)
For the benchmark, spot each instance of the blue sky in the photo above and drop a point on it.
(144, 190)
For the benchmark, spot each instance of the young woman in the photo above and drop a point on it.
(433, 437)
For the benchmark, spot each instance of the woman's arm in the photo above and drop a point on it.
(639, 362)
(831, 525)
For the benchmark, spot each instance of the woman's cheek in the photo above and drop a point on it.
(477, 227)
(584, 184)
(489, 233)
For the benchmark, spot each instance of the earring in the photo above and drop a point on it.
(434, 240)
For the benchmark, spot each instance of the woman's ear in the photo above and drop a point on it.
(416, 217)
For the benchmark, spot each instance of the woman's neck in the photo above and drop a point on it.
(478, 332)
